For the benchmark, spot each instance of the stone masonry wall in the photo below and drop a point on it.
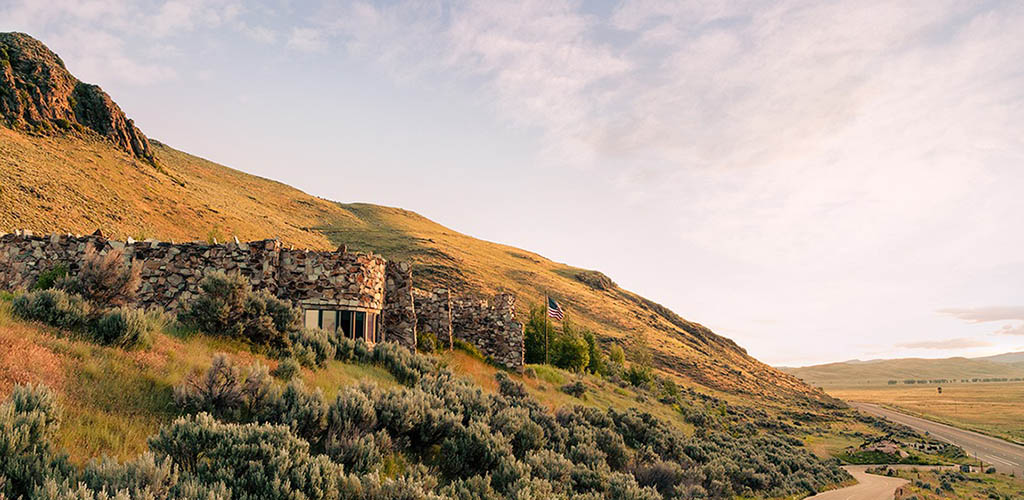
(434, 314)
(399, 315)
(171, 272)
(492, 327)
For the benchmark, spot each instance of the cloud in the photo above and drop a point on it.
(961, 343)
(985, 314)
(1017, 329)
(307, 40)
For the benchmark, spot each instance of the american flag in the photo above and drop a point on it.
(554, 310)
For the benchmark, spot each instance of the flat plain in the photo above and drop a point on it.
(994, 408)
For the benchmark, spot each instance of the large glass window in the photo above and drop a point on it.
(345, 323)
(376, 328)
(329, 320)
(357, 325)
(312, 318)
(359, 320)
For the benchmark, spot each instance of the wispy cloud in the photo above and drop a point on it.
(961, 343)
(307, 40)
(1017, 329)
(986, 314)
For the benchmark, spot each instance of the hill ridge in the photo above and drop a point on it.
(71, 182)
(39, 95)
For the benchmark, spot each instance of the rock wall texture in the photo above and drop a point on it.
(399, 315)
(434, 314)
(492, 327)
(38, 94)
(171, 272)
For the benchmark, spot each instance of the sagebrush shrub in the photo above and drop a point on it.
(220, 306)
(105, 279)
(223, 390)
(227, 306)
(287, 369)
(253, 461)
(146, 476)
(56, 308)
(312, 346)
(268, 320)
(523, 433)
(472, 449)
(123, 327)
(29, 420)
(576, 389)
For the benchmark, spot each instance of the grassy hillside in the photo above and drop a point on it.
(76, 184)
(850, 373)
(1008, 357)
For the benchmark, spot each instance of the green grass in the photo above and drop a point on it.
(549, 374)
(965, 486)
(337, 375)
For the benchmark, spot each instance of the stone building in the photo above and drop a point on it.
(361, 295)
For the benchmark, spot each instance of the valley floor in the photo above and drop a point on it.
(1007, 458)
(996, 409)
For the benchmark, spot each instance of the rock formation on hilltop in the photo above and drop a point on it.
(39, 95)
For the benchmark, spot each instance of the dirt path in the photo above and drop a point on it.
(868, 487)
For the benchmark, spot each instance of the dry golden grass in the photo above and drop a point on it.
(993, 408)
(74, 185)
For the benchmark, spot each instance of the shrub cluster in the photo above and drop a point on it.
(106, 280)
(500, 446)
(227, 306)
(121, 326)
(93, 302)
(437, 436)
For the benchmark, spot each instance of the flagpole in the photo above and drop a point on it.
(547, 306)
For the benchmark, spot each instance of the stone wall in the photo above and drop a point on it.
(399, 315)
(434, 314)
(171, 272)
(492, 327)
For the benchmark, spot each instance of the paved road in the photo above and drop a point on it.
(1005, 457)
(868, 487)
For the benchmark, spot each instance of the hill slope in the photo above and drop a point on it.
(81, 180)
(881, 371)
(1007, 357)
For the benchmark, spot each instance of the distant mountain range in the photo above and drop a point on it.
(881, 371)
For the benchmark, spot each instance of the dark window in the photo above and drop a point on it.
(345, 323)
(376, 328)
(359, 328)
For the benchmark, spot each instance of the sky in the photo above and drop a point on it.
(819, 181)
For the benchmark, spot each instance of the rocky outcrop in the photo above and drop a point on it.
(596, 280)
(40, 96)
